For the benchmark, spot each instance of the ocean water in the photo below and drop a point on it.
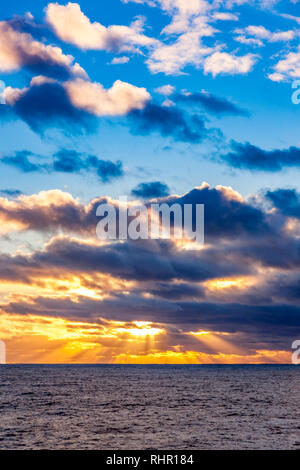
(149, 407)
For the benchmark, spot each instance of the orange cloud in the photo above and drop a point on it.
(35, 339)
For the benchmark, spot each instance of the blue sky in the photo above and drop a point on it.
(182, 165)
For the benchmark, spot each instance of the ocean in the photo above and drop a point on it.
(167, 407)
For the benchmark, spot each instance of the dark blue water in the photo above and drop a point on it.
(149, 407)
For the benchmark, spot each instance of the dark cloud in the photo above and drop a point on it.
(170, 122)
(26, 24)
(140, 261)
(225, 214)
(275, 324)
(286, 200)
(150, 190)
(66, 161)
(32, 54)
(177, 291)
(70, 161)
(284, 287)
(106, 169)
(275, 250)
(47, 106)
(21, 161)
(248, 156)
(212, 104)
(10, 192)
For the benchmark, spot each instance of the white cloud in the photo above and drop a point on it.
(185, 14)
(291, 17)
(19, 50)
(165, 90)
(187, 49)
(120, 60)
(286, 68)
(191, 22)
(224, 63)
(276, 77)
(168, 103)
(185, 7)
(256, 34)
(118, 100)
(249, 41)
(223, 16)
(71, 25)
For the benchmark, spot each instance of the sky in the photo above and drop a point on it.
(157, 100)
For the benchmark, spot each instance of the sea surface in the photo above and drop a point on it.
(149, 407)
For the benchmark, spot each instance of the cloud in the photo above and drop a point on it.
(291, 17)
(286, 200)
(187, 49)
(21, 161)
(72, 105)
(191, 23)
(142, 261)
(151, 190)
(165, 90)
(10, 192)
(27, 24)
(48, 212)
(70, 161)
(120, 60)
(227, 215)
(181, 315)
(183, 13)
(210, 103)
(287, 68)
(183, 40)
(224, 63)
(257, 34)
(18, 50)
(225, 16)
(248, 156)
(248, 41)
(171, 122)
(172, 6)
(47, 105)
(177, 291)
(226, 287)
(118, 100)
(66, 161)
(71, 25)
(244, 282)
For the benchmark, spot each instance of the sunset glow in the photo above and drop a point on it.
(149, 203)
